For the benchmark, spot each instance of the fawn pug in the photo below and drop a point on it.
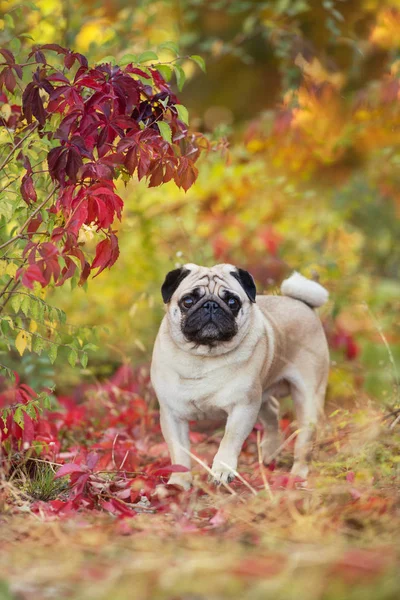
(222, 350)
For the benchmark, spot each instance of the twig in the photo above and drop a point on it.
(262, 470)
(209, 471)
(123, 462)
(29, 219)
(2, 306)
(246, 483)
(282, 446)
(113, 451)
(21, 141)
(397, 419)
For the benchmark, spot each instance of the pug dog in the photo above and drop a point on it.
(224, 351)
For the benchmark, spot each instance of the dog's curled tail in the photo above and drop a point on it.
(306, 290)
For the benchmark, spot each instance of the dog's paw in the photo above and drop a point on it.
(221, 476)
(184, 480)
(300, 470)
(269, 446)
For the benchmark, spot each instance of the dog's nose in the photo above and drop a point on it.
(210, 306)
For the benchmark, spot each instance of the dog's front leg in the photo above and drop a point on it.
(176, 433)
(240, 422)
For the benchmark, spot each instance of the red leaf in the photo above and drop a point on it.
(28, 432)
(9, 79)
(32, 104)
(170, 469)
(92, 460)
(27, 189)
(107, 253)
(186, 174)
(8, 56)
(118, 507)
(29, 275)
(70, 468)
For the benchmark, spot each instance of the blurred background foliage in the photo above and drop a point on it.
(304, 97)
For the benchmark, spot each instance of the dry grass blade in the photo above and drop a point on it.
(283, 446)
(261, 466)
(246, 483)
(209, 471)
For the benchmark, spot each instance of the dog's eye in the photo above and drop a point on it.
(233, 303)
(187, 301)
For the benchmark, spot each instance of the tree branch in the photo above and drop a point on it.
(29, 219)
(21, 141)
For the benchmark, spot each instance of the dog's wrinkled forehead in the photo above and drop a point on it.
(210, 280)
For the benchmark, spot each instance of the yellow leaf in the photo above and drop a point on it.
(11, 269)
(5, 111)
(3, 267)
(21, 341)
(7, 268)
(33, 326)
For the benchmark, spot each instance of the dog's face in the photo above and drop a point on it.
(208, 308)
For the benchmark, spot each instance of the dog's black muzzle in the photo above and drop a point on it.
(209, 321)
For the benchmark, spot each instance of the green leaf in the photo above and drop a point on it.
(9, 21)
(165, 131)
(180, 77)
(38, 446)
(72, 357)
(146, 56)
(90, 346)
(164, 102)
(200, 62)
(183, 113)
(25, 305)
(8, 373)
(7, 319)
(35, 309)
(30, 411)
(16, 301)
(46, 402)
(18, 416)
(165, 71)
(15, 45)
(37, 344)
(171, 46)
(144, 80)
(84, 360)
(106, 59)
(127, 59)
(52, 352)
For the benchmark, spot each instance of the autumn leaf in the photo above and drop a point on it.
(22, 341)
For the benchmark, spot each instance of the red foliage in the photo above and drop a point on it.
(343, 340)
(109, 124)
(110, 446)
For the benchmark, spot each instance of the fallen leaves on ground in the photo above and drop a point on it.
(116, 529)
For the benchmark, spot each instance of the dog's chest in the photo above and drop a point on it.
(202, 396)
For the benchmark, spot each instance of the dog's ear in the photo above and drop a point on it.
(247, 282)
(171, 283)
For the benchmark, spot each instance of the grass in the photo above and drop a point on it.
(33, 479)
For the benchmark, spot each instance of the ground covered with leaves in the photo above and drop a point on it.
(93, 517)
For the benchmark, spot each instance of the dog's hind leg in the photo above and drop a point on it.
(308, 401)
(269, 417)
